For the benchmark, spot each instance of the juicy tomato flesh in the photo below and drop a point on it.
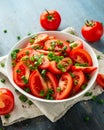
(65, 85)
(37, 84)
(52, 83)
(20, 70)
(81, 56)
(78, 81)
(6, 101)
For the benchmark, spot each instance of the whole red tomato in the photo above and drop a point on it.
(50, 20)
(92, 31)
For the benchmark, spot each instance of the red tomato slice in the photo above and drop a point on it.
(24, 52)
(76, 45)
(78, 81)
(88, 69)
(81, 56)
(6, 101)
(37, 84)
(53, 68)
(21, 74)
(100, 80)
(46, 52)
(57, 45)
(41, 38)
(45, 63)
(65, 85)
(52, 82)
(65, 64)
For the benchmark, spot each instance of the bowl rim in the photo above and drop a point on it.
(32, 97)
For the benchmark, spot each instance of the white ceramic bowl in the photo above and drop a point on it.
(62, 36)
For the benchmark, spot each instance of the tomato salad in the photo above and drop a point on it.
(52, 68)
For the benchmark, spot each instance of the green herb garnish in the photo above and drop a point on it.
(83, 65)
(42, 93)
(2, 64)
(53, 57)
(98, 57)
(86, 118)
(94, 98)
(31, 41)
(27, 90)
(5, 31)
(7, 116)
(29, 34)
(18, 71)
(88, 94)
(24, 79)
(58, 89)
(83, 86)
(49, 94)
(23, 98)
(43, 73)
(72, 75)
(18, 37)
(30, 102)
(14, 53)
(3, 80)
(61, 67)
(100, 101)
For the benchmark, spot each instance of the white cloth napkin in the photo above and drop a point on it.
(52, 111)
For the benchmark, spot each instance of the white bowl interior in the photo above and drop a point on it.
(62, 36)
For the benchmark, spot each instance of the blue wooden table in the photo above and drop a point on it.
(20, 17)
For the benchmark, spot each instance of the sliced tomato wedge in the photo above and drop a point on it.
(57, 45)
(100, 80)
(65, 64)
(6, 101)
(45, 63)
(65, 86)
(81, 56)
(37, 85)
(21, 74)
(41, 38)
(53, 68)
(46, 52)
(88, 69)
(78, 80)
(76, 45)
(24, 52)
(52, 82)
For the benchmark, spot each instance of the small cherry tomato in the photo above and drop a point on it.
(92, 31)
(21, 74)
(6, 101)
(37, 85)
(50, 20)
(64, 86)
(100, 80)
